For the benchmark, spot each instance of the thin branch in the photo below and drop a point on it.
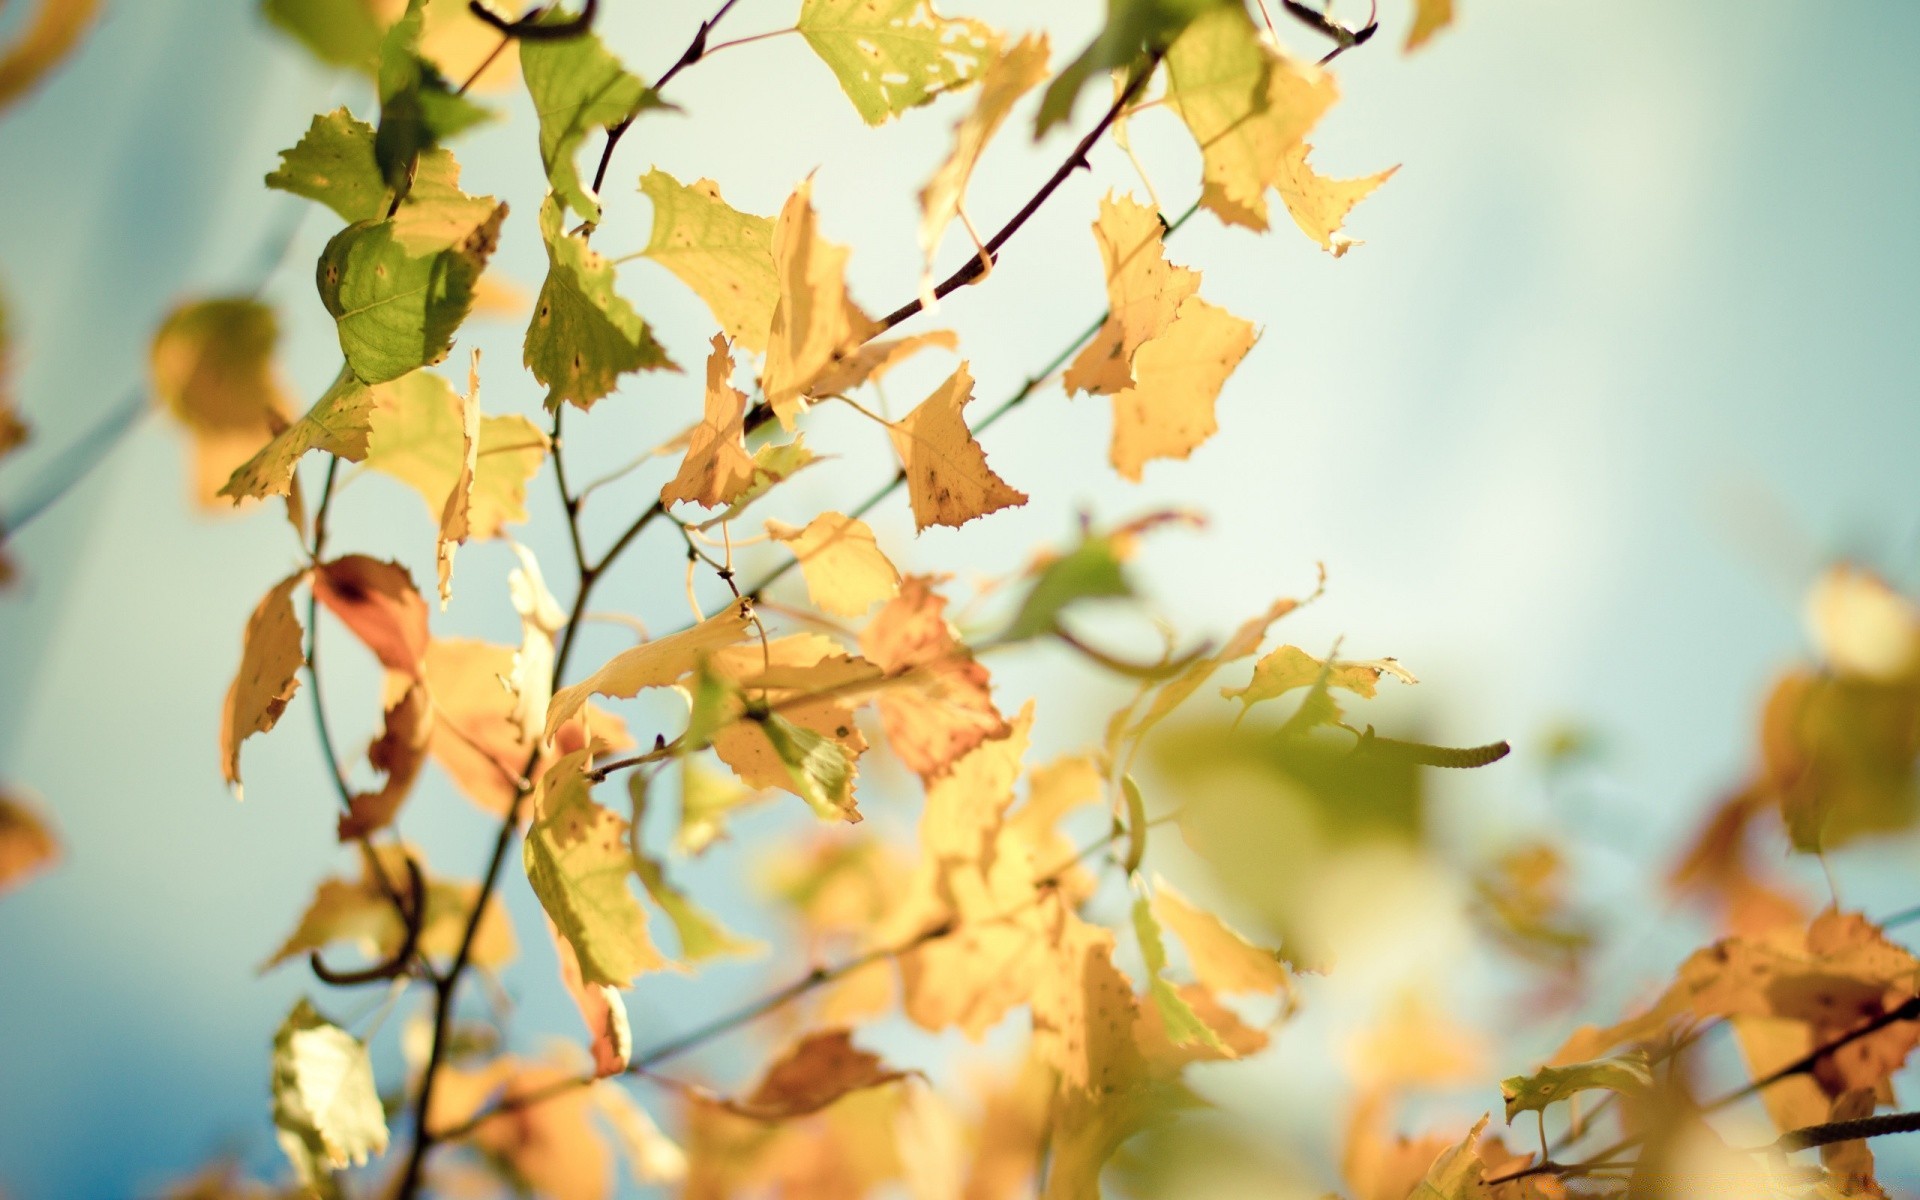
(1826, 1134)
(415, 915)
(529, 29)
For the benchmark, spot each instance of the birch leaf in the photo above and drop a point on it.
(846, 572)
(213, 371)
(1168, 412)
(1429, 18)
(815, 323)
(325, 1106)
(1011, 76)
(377, 601)
(1144, 293)
(416, 434)
(717, 469)
(577, 85)
(893, 55)
(946, 709)
(584, 336)
(577, 861)
(1319, 204)
(948, 480)
(337, 423)
(270, 660)
(333, 164)
(723, 254)
(654, 664)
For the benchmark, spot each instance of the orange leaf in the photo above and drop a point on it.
(378, 602)
(27, 844)
(400, 751)
(947, 709)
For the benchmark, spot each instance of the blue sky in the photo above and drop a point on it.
(1627, 353)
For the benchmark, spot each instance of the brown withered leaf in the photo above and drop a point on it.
(379, 604)
(816, 1071)
(947, 708)
(270, 660)
(400, 751)
(27, 843)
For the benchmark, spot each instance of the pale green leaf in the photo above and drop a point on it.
(416, 436)
(893, 55)
(821, 769)
(578, 862)
(577, 85)
(340, 33)
(337, 423)
(773, 463)
(333, 163)
(419, 109)
(1089, 571)
(584, 335)
(723, 254)
(325, 1106)
(1184, 1026)
(1628, 1074)
(1457, 1174)
(1133, 27)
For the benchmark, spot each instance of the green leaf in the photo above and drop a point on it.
(1184, 1026)
(416, 436)
(723, 254)
(1628, 1074)
(893, 55)
(701, 936)
(436, 214)
(773, 463)
(340, 33)
(1457, 1174)
(577, 85)
(397, 310)
(584, 336)
(333, 163)
(706, 797)
(337, 423)
(325, 1106)
(418, 108)
(1090, 570)
(578, 861)
(821, 770)
(1133, 28)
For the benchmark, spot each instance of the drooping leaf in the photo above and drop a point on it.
(946, 709)
(815, 322)
(45, 38)
(270, 660)
(1429, 18)
(378, 602)
(340, 33)
(325, 1106)
(654, 664)
(893, 55)
(1222, 960)
(601, 1007)
(1132, 28)
(577, 85)
(1289, 668)
(578, 863)
(584, 335)
(419, 109)
(845, 570)
(337, 423)
(724, 255)
(27, 842)
(1628, 1074)
(806, 687)
(333, 163)
(1247, 106)
(701, 935)
(416, 434)
(948, 480)
(816, 1071)
(1319, 204)
(213, 371)
(1144, 292)
(717, 469)
(399, 753)
(773, 464)
(820, 768)
(1183, 1026)
(1009, 77)
(541, 619)
(437, 214)
(1090, 571)
(397, 307)
(1168, 412)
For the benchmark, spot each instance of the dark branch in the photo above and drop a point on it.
(414, 913)
(1847, 1131)
(529, 29)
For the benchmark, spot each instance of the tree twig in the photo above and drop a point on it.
(529, 29)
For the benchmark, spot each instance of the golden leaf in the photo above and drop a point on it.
(1318, 203)
(717, 469)
(1168, 412)
(654, 664)
(946, 708)
(948, 480)
(1144, 292)
(815, 323)
(270, 659)
(845, 570)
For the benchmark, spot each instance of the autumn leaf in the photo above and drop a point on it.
(379, 604)
(27, 842)
(1009, 77)
(1429, 18)
(358, 912)
(416, 434)
(337, 423)
(1168, 412)
(578, 863)
(701, 936)
(845, 571)
(213, 371)
(333, 164)
(1182, 1025)
(40, 42)
(773, 464)
(1144, 292)
(1132, 29)
(816, 1071)
(723, 254)
(653, 664)
(577, 85)
(1627, 1074)
(584, 335)
(396, 306)
(1861, 626)
(1837, 753)
(815, 323)
(270, 660)
(1244, 642)
(456, 516)
(1457, 1174)
(399, 752)
(1223, 961)
(872, 361)
(1289, 668)
(419, 108)
(1246, 105)
(554, 1148)
(893, 55)
(1318, 203)
(325, 1106)
(948, 480)
(717, 468)
(601, 1007)
(946, 708)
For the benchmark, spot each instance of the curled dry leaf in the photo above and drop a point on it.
(816, 1071)
(1319, 204)
(717, 469)
(270, 661)
(815, 323)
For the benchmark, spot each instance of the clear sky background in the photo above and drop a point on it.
(1628, 353)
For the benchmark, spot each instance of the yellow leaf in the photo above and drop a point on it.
(416, 434)
(1222, 960)
(27, 844)
(213, 370)
(358, 912)
(717, 469)
(1862, 626)
(1318, 203)
(456, 523)
(541, 617)
(50, 34)
(1144, 292)
(724, 255)
(578, 862)
(270, 660)
(555, 1148)
(809, 682)
(815, 322)
(1246, 105)
(948, 480)
(337, 423)
(846, 572)
(1429, 18)
(1168, 412)
(946, 708)
(875, 359)
(1010, 77)
(1289, 667)
(654, 664)
(457, 42)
